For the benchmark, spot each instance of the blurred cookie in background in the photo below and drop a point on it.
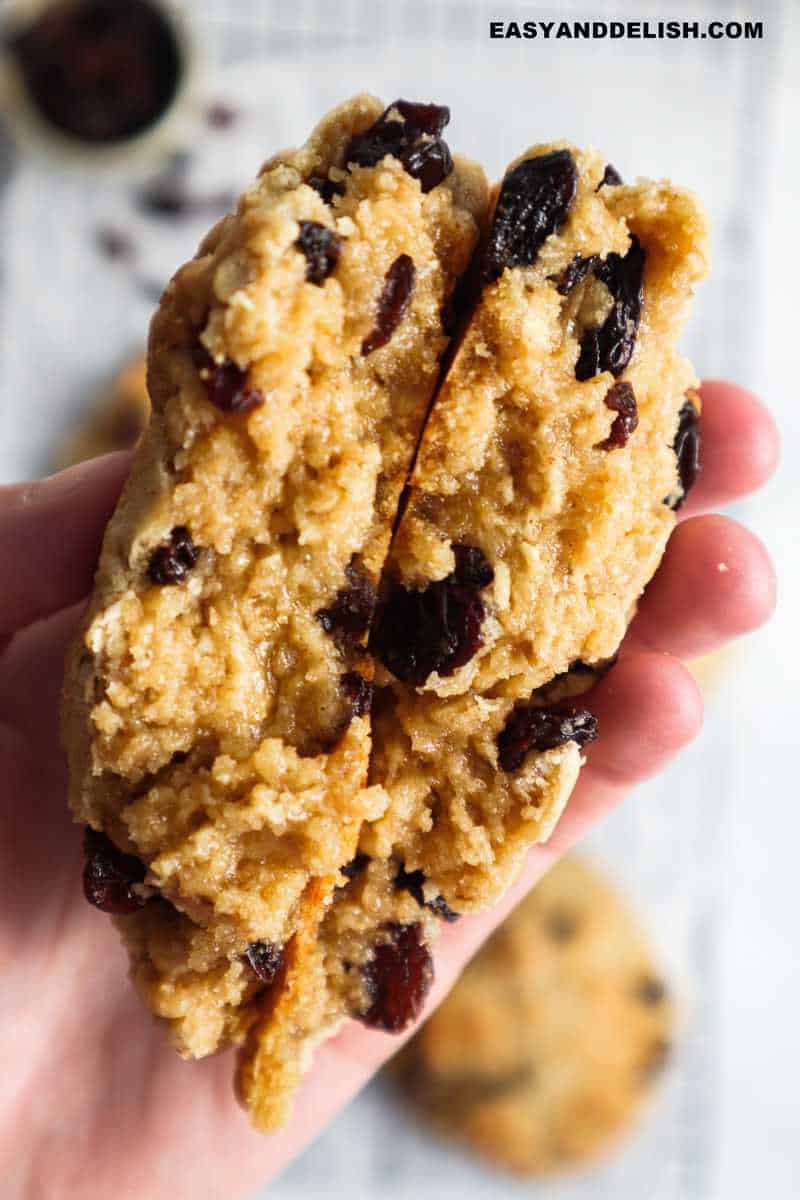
(115, 421)
(551, 1040)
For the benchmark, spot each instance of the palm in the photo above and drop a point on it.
(94, 1101)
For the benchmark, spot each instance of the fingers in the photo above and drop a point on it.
(715, 582)
(50, 534)
(739, 450)
(31, 674)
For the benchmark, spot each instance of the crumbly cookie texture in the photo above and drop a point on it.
(217, 699)
(540, 505)
(549, 1043)
(115, 421)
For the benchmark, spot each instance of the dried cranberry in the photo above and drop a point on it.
(355, 866)
(325, 187)
(397, 978)
(321, 248)
(437, 628)
(611, 178)
(109, 875)
(534, 201)
(610, 347)
(227, 385)
(398, 287)
(265, 959)
(409, 132)
(621, 399)
(358, 691)
(540, 729)
(574, 273)
(351, 612)
(172, 563)
(412, 882)
(687, 451)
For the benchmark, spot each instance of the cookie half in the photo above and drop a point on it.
(217, 698)
(550, 1042)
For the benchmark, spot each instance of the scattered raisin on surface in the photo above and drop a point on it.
(227, 386)
(172, 562)
(574, 273)
(542, 729)
(352, 609)
(534, 201)
(411, 133)
(437, 628)
(109, 875)
(358, 691)
(687, 451)
(355, 866)
(412, 882)
(265, 960)
(321, 247)
(561, 926)
(397, 978)
(221, 115)
(651, 990)
(610, 347)
(398, 287)
(611, 178)
(325, 187)
(621, 399)
(115, 244)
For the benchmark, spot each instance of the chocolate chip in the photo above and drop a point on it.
(540, 729)
(610, 347)
(358, 691)
(398, 288)
(171, 563)
(534, 201)
(611, 178)
(397, 978)
(109, 875)
(620, 398)
(321, 248)
(265, 959)
(437, 628)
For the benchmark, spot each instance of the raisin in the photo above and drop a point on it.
(561, 925)
(221, 115)
(265, 960)
(171, 563)
(440, 908)
(657, 1058)
(651, 991)
(116, 244)
(227, 385)
(687, 451)
(534, 201)
(321, 248)
(326, 188)
(542, 729)
(574, 273)
(351, 612)
(358, 691)
(398, 287)
(412, 882)
(437, 628)
(610, 347)
(611, 178)
(397, 978)
(621, 399)
(127, 427)
(355, 866)
(409, 132)
(109, 875)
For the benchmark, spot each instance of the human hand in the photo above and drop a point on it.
(94, 1102)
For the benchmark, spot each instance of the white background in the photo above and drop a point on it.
(709, 851)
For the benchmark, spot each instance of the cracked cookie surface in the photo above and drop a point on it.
(548, 1045)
